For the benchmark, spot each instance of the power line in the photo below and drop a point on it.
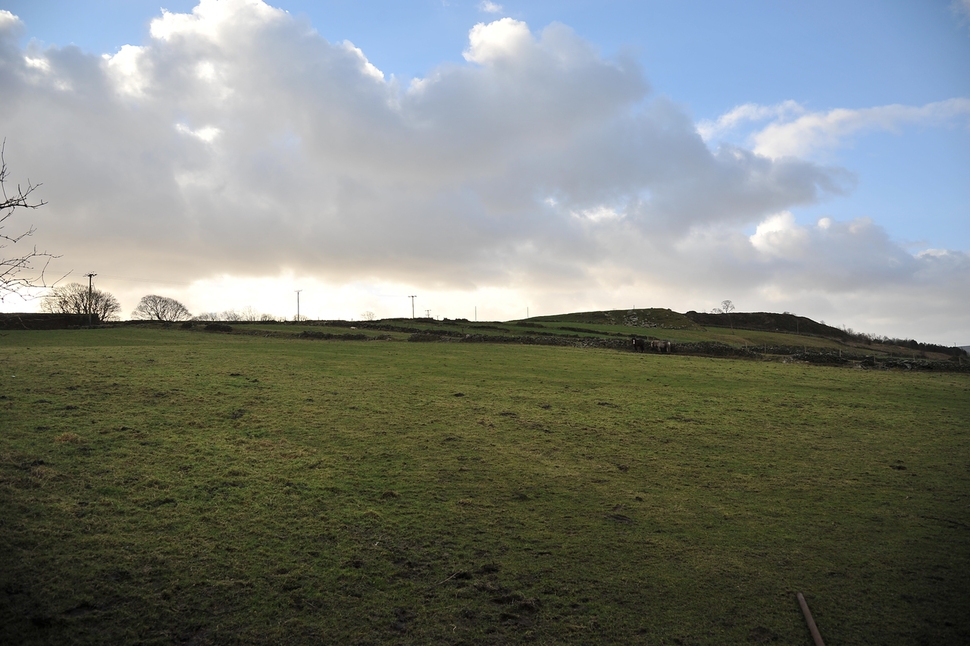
(144, 280)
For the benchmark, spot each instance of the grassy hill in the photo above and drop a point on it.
(752, 335)
(637, 318)
(768, 321)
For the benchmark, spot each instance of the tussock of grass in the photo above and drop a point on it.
(242, 489)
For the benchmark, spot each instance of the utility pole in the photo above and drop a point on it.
(90, 296)
(527, 311)
(427, 313)
(412, 304)
(476, 312)
(298, 304)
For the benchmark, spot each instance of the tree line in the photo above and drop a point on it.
(22, 271)
(76, 298)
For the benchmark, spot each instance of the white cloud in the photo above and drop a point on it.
(795, 132)
(127, 69)
(747, 112)
(600, 213)
(504, 38)
(490, 7)
(366, 66)
(206, 133)
(10, 23)
(37, 64)
(236, 152)
(216, 21)
(828, 130)
(779, 236)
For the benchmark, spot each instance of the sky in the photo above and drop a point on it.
(498, 159)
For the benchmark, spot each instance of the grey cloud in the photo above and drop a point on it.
(319, 162)
(240, 141)
(847, 272)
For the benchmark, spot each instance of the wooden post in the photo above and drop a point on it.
(90, 298)
(812, 628)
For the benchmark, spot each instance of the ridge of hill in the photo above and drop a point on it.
(668, 319)
(760, 328)
(768, 322)
(648, 317)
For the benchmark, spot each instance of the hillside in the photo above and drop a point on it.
(763, 335)
(758, 335)
(769, 322)
(775, 333)
(637, 318)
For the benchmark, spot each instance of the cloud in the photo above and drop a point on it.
(744, 113)
(779, 236)
(961, 9)
(236, 150)
(795, 132)
(490, 7)
(503, 39)
(9, 23)
(217, 22)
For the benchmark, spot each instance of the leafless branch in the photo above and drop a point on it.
(18, 273)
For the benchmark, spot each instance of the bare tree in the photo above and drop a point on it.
(160, 308)
(17, 272)
(73, 299)
(250, 314)
(247, 314)
(367, 316)
(726, 308)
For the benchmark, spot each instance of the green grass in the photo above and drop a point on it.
(164, 486)
(667, 325)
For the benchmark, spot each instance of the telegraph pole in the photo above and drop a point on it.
(90, 296)
(298, 304)
(427, 313)
(412, 304)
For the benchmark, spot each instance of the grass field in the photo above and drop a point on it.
(163, 486)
